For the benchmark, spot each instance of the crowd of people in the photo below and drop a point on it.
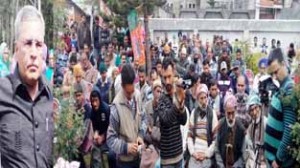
(197, 107)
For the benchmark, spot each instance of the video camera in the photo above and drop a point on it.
(186, 84)
(265, 85)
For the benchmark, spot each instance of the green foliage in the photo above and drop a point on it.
(295, 149)
(47, 10)
(68, 129)
(251, 59)
(211, 3)
(123, 7)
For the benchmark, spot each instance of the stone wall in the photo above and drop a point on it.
(285, 31)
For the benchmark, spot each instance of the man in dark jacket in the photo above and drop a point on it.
(172, 114)
(84, 33)
(104, 83)
(96, 38)
(206, 76)
(100, 121)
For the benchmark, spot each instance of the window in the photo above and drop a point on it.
(194, 6)
(190, 6)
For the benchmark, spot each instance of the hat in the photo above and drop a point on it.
(253, 100)
(167, 48)
(230, 100)
(202, 88)
(78, 87)
(183, 50)
(263, 63)
(102, 68)
(236, 64)
(156, 83)
(77, 70)
(223, 65)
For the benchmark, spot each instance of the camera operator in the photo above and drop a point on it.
(172, 114)
(262, 67)
(282, 114)
(256, 128)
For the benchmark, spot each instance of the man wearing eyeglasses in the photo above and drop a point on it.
(26, 123)
(282, 115)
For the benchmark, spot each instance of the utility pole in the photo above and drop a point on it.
(147, 38)
(39, 5)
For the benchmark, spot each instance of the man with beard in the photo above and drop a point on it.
(242, 97)
(183, 63)
(212, 61)
(201, 125)
(142, 85)
(190, 99)
(153, 125)
(206, 75)
(172, 114)
(90, 73)
(197, 60)
(230, 141)
(100, 120)
(256, 128)
(224, 58)
(82, 108)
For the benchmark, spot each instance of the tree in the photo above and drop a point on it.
(295, 149)
(211, 3)
(8, 13)
(146, 7)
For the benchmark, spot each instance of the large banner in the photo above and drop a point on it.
(137, 35)
(271, 3)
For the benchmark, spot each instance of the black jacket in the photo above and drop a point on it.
(100, 117)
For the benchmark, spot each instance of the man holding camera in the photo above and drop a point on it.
(282, 114)
(172, 114)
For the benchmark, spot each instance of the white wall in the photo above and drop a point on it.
(285, 31)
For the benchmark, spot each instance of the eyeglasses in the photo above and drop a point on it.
(275, 72)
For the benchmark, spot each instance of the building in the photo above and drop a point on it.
(232, 9)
